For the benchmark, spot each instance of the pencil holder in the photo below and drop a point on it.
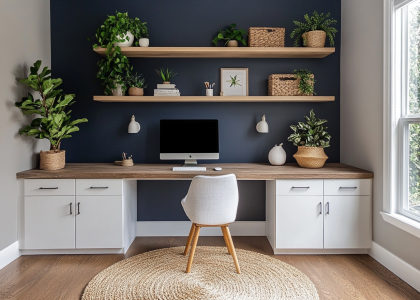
(209, 92)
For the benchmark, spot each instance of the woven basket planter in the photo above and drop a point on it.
(266, 37)
(135, 91)
(314, 39)
(285, 85)
(51, 160)
(310, 157)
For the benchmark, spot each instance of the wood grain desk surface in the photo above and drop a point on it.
(243, 171)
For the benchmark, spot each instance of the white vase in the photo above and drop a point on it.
(209, 92)
(277, 155)
(126, 43)
(144, 42)
(118, 91)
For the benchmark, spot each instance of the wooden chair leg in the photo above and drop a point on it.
(232, 248)
(226, 239)
(194, 245)
(190, 237)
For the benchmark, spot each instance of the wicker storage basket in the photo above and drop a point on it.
(310, 157)
(51, 160)
(314, 39)
(266, 37)
(284, 85)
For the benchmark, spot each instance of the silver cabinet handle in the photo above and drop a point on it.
(51, 188)
(328, 208)
(78, 208)
(348, 187)
(300, 187)
(98, 187)
(320, 208)
(71, 211)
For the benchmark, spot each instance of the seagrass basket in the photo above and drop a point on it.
(310, 157)
(314, 39)
(266, 37)
(285, 85)
(52, 160)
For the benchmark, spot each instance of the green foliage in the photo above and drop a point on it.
(166, 75)
(54, 122)
(306, 83)
(315, 22)
(230, 34)
(136, 81)
(310, 134)
(139, 30)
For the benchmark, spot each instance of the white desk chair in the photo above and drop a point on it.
(212, 201)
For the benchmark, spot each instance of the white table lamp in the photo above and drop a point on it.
(134, 126)
(262, 126)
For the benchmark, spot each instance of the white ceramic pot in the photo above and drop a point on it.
(126, 43)
(144, 42)
(209, 92)
(118, 91)
(277, 155)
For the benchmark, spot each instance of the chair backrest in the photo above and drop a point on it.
(212, 200)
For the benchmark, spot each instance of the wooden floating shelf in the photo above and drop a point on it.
(224, 52)
(214, 99)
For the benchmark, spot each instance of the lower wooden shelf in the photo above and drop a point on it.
(214, 99)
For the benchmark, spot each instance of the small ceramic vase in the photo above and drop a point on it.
(232, 43)
(126, 43)
(144, 42)
(209, 92)
(118, 91)
(277, 155)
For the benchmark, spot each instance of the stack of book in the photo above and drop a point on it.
(167, 90)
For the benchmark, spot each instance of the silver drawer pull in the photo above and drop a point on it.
(300, 187)
(52, 188)
(348, 187)
(98, 187)
(320, 208)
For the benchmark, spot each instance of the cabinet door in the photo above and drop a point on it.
(347, 222)
(49, 222)
(99, 222)
(299, 222)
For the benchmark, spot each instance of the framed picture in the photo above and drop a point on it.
(234, 82)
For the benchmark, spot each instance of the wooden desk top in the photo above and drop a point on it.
(243, 171)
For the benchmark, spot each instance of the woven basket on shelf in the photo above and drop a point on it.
(314, 39)
(266, 37)
(310, 157)
(285, 85)
(52, 160)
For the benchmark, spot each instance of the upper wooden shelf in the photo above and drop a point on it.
(224, 52)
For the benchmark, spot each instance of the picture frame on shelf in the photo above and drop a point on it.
(234, 81)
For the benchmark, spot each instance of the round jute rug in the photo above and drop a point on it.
(160, 275)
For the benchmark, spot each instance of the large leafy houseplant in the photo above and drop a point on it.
(230, 34)
(310, 134)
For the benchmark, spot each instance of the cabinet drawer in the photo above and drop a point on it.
(311, 187)
(99, 187)
(49, 187)
(350, 187)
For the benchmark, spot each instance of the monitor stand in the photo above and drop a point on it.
(190, 163)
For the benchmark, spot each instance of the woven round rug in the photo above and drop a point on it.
(160, 275)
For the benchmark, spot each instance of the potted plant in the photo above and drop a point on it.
(140, 32)
(315, 30)
(311, 139)
(136, 84)
(166, 75)
(231, 35)
(306, 81)
(53, 121)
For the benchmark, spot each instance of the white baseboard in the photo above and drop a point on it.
(396, 265)
(182, 228)
(9, 254)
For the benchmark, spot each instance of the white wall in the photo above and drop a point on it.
(25, 38)
(362, 110)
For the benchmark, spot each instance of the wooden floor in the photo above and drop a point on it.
(335, 276)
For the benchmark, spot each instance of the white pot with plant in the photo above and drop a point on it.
(166, 75)
(315, 31)
(136, 85)
(231, 35)
(311, 139)
(53, 120)
(141, 33)
(125, 40)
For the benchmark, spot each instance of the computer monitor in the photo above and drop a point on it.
(189, 140)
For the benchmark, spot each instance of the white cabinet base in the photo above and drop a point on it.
(319, 251)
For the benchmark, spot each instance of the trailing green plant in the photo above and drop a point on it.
(306, 82)
(310, 134)
(315, 22)
(230, 34)
(54, 122)
(137, 81)
(113, 69)
(166, 75)
(139, 30)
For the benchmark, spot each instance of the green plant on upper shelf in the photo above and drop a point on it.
(54, 122)
(137, 81)
(139, 30)
(315, 22)
(166, 75)
(230, 34)
(306, 82)
(310, 134)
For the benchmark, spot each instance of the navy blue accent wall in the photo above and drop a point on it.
(188, 23)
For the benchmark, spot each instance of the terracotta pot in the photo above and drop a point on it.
(135, 91)
(166, 82)
(232, 43)
(314, 39)
(52, 160)
(310, 157)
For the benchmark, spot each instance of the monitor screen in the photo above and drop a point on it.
(189, 136)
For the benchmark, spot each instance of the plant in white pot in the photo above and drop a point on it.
(140, 32)
(311, 139)
(53, 120)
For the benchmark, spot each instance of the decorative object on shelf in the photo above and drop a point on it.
(166, 75)
(166, 90)
(277, 155)
(234, 82)
(266, 37)
(133, 127)
(315, 30)
(136, 84)
(306, 81)
(128, 39)
(119, 89)
(300, 83)
(125, 162)
(144, 42)
(53, 121)
(231, 35)
(262, 126)
(209, 88)
(140, 32)
(311, 139)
